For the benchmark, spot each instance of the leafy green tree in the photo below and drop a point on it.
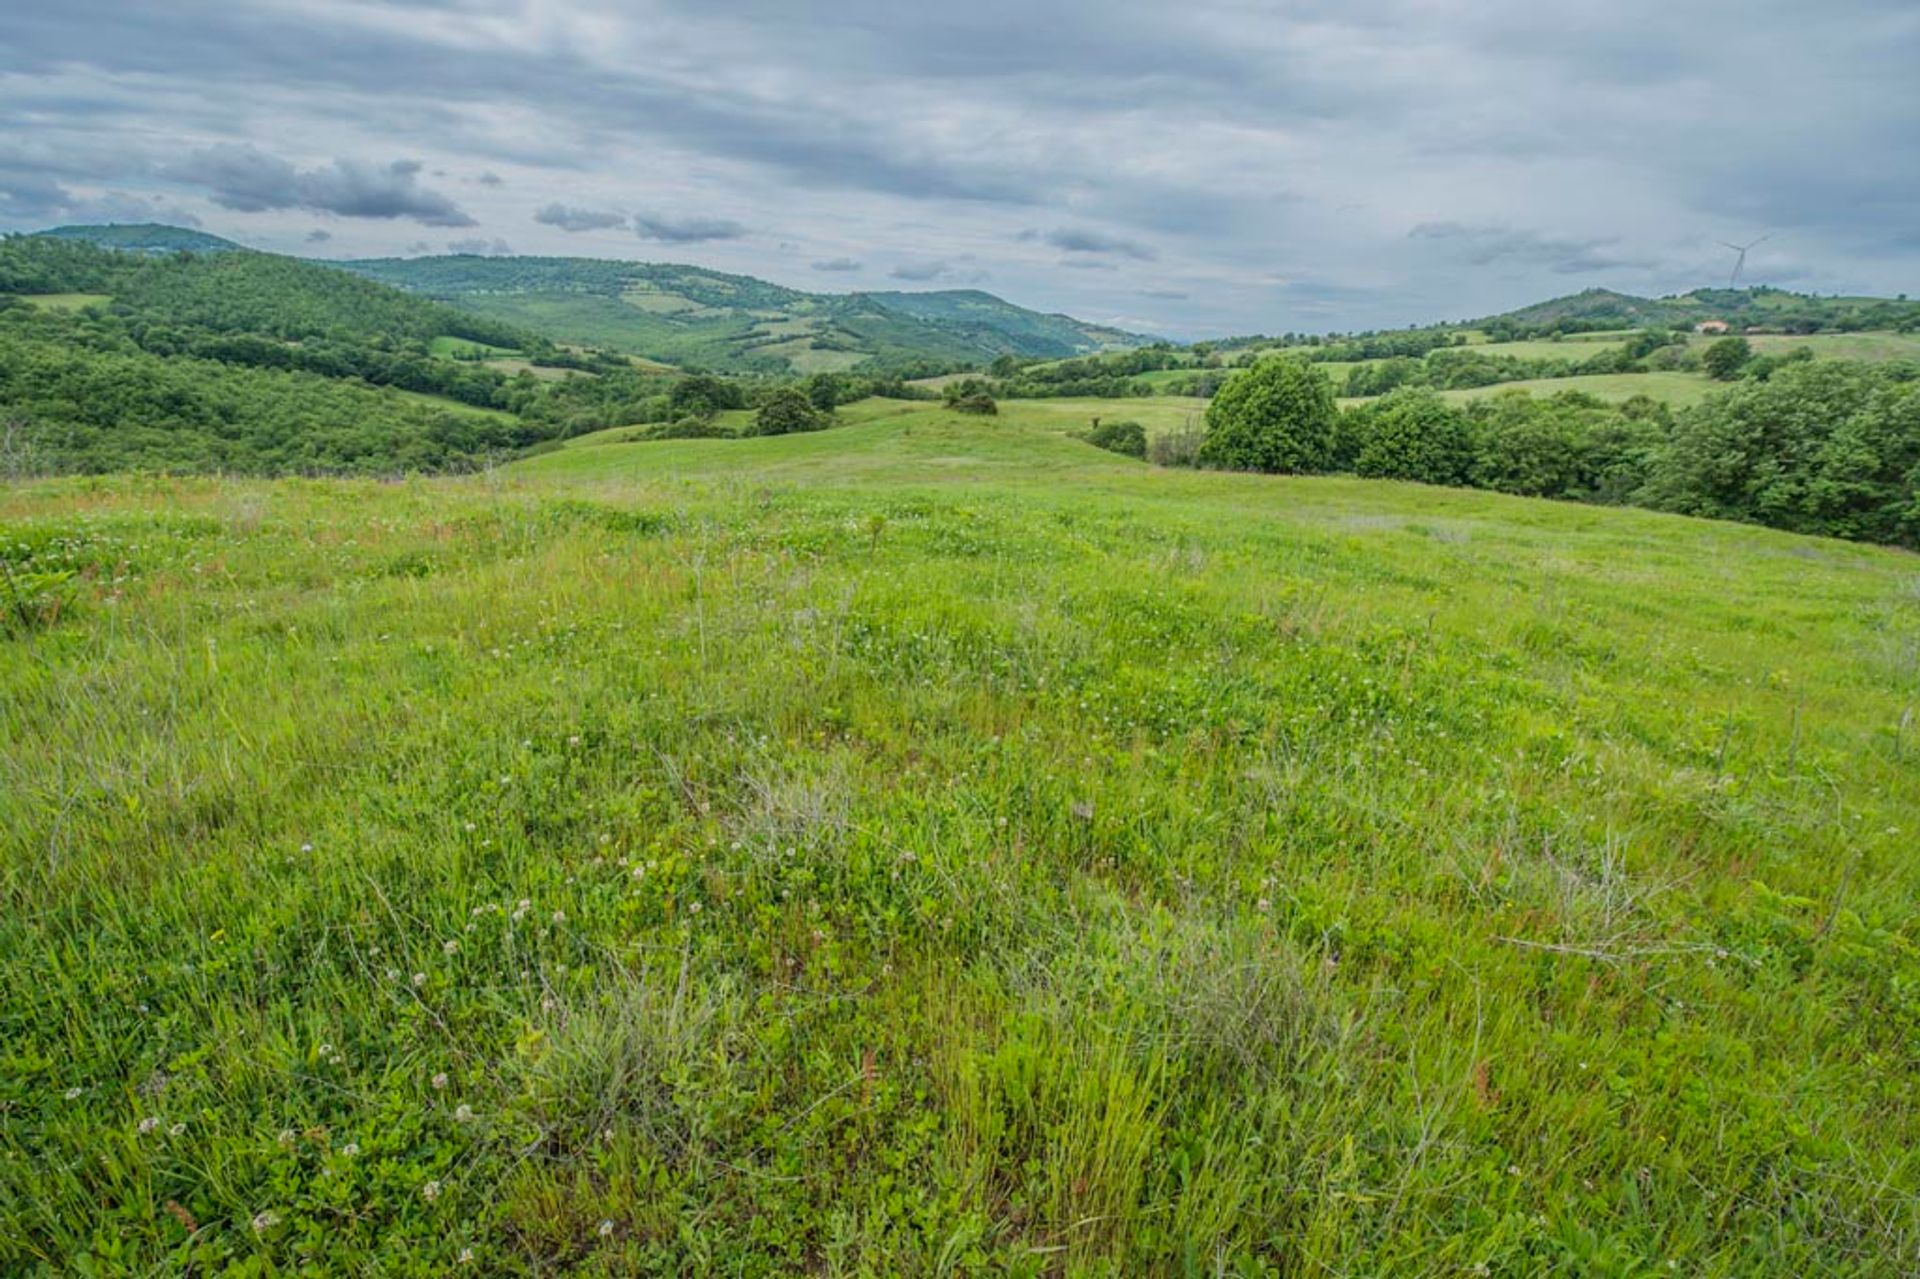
(1278, 416)
(703, 395)
(1411, 435)
(1724, 358)
(786, 411)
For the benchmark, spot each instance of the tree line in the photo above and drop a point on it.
(1829, 448)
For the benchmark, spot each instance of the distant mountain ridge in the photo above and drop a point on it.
(694, 316)
(144, 237)
(1760, 306)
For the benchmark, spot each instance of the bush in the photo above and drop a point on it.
(970, 395)
(1410, 435)
(1176, 448)
(1278, 416)
(1129, 438)
(787, 411)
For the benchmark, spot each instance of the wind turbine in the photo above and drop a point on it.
(1739, 263)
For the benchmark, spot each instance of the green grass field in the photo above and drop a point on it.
(1677, 389)
(936, 846)
(456, 348)
(1836, 346)
(66, 301)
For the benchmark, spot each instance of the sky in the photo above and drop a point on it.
(1204, 168)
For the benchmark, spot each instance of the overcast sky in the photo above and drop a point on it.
(1206, 167)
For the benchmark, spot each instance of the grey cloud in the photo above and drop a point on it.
(1076, 240)
(1301, 129)
(956, 270)
(490, 179)
(572, 219)
(1565, 255)
(686, 230)
(837, 264)
(241, 177)
(480, 247)
(318, 236)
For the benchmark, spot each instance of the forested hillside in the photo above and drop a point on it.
(692, 316)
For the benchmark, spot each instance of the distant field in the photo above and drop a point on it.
(1585, 347)
(1679, 389)
(66, 301)
(458, 348)
(444, 402)
(1836, 346)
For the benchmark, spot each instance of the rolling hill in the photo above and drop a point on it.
(1775, 309)
(733, 323)
(145, 237)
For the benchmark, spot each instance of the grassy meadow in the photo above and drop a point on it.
(936, 846)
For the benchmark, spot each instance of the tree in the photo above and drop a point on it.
(787, 411)
(1412, 435)
(1725, 358)
(1278, 416)
(703, 395)
(1129, 438)
(970, 395)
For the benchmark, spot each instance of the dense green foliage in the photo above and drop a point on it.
(935, 846)
(1827, 447)
(1409, 435)
(786, 411)
(86, 397)
(1278, 417)
(1128, 438)
(1723, 359)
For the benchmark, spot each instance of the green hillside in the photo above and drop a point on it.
(937, 846)
(692, 316)
(1768, 308)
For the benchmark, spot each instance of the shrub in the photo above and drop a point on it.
(1129, 438)
(1278, 416)
(970, 395)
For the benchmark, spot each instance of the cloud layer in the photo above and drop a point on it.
(1219, 166)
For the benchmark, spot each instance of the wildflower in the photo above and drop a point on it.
(419, 979)
(466, 1256)
(440, 1082)
(450, 947)
(463, 1114)
(393, 974)
(574, 740)
(148, 1124)
(606, 1229)
(351, 1149)
(326, 1050)
(285, 1138)
(559, 918)
(693, 908)
(1263, 905)
(177, 1130)
(306, 848)
(263, 1222)
(471, 828)
(73, 1094)
(430, 1191)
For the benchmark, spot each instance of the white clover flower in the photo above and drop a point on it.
(606, 1229)
(73, 1094)
(466, 1256)
(285, 1138)
(463, 1114)
(351, 1149)
(450, 947)
(440, 1082)
(1263, 905)
(148, 1124)
(419, 979)
(430, 1191)
(263, 1222)
(559, 917)
(177, 1130)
